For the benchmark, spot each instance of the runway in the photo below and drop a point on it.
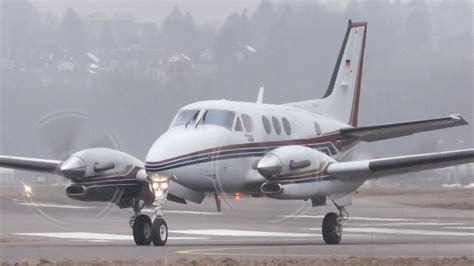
(56, 228)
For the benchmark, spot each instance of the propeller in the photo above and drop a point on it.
(63, 133)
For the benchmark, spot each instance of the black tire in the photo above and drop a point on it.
(332, 231)
(159, 232)
(142, 230)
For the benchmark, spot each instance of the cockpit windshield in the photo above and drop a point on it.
(218, 118)
(185, 117)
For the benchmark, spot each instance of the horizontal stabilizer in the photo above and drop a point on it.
(368, 169)
(380, 132)
(30, 164)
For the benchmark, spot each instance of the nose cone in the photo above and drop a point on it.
(269, 166)
(74, 167)
(179, 146)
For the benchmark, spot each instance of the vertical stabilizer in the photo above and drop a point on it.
(260, 95)
(341, 100)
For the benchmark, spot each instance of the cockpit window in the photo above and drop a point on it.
(185, 117)
(218, 118)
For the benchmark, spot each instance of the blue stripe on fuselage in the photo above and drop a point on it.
(223, 155)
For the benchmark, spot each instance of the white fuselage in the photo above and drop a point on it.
(212, 145)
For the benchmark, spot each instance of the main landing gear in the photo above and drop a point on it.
(332, 225)
(144, 231)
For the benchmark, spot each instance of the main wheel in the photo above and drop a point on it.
(159, 232)
(332, 229)
(142, 230)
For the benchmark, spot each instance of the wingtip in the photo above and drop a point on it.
(353, 24)
(460, 118)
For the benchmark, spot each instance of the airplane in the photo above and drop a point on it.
(290, 151)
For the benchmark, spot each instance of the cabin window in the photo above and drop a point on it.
(266, 125)
(276, 125)
(248, 122)
(217, 118)
(317, 128)
(238, 125)
(185, 117)
(286, 126)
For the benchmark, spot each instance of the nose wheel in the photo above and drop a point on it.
(159, 232)
(142, 230)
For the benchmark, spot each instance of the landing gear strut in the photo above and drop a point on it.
(159, 228)
(332, 225)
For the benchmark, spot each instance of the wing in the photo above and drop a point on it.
(388, 131)
(30, 164)
(368, 169)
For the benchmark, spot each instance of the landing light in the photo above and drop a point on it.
(159, 186)
(27, 188)
(237, 195)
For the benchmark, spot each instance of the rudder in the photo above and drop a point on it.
(341, 100)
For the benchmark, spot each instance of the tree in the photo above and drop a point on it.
(231, 39)
(107, 38)
(179, 32)
(19, 25)
(71, 32)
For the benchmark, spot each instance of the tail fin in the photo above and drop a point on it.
(341, 100)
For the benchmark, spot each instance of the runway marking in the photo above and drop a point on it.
(405, 231)
(381, 230)
(460, 227)
(185, 212)
(404, 224)
(356, 218)
(98, 241)
(96, 236)
(215, 252)
(239, 253)
(80, 235)
(228, 232)
(51, 205)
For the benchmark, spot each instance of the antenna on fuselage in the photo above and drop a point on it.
(260, 95)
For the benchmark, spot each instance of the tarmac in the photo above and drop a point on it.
(56, 228)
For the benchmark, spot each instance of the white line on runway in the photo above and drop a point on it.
(229, 232)
(95, 236)
(50, 205)
(356, 218)
(460, 227)
(185, 212)
(406, 231)
(405, 224)
(399, 231)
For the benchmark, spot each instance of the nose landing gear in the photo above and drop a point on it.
(144, 231)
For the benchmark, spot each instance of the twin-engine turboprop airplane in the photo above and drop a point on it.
(288, 151)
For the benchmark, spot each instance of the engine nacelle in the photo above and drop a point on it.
(298, 172)
(102, 174)
(99, 162)
(293, 162)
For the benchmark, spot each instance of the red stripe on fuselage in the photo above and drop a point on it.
(334, 138)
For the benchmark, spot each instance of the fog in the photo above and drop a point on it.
(107, 73)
